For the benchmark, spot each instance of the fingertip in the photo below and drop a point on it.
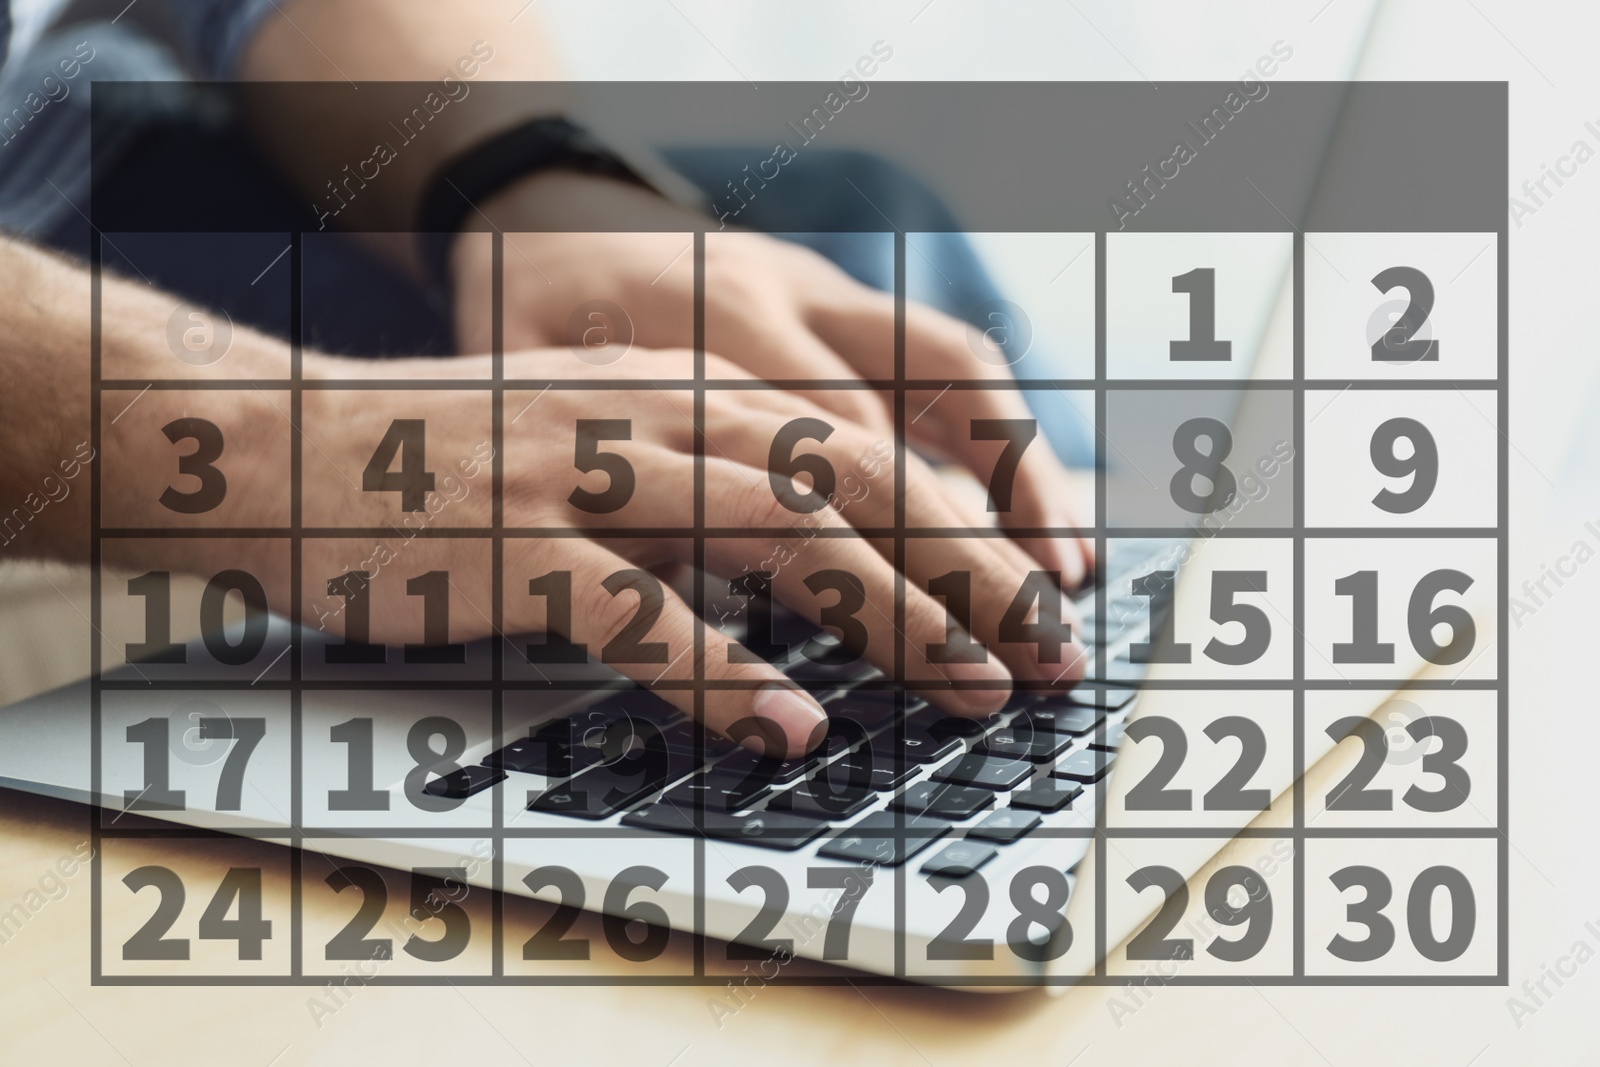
(797, 722)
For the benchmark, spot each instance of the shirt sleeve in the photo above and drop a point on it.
(214, 33)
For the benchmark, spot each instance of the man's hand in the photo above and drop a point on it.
(622, 483)
(774, 309)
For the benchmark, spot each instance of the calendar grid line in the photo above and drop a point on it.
(627, 833)
(735, 385)
(1299, 341)
(700, 672)
(96, 613)
(1503, 573)
(497, 593)
(755, 533)
(301, 682)
(900, 489)
(1101, 593)
(1019, 980)
(296, 564)
(932, 684)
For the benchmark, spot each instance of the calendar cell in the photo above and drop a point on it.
(1423, 758)
(210, 757)
(226, 916)
(407, 470)
(389, 778)
(1391, 608)
(1233, 921)
(1043, 327)
(1401, 306)
(1196, 305)
(1401, 458)
(233, 282)
(206, 459)
(231, 603)
(1413, 908)
(369, 922)
(1206, 458)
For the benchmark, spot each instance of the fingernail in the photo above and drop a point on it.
(996, 684)
(791, 711)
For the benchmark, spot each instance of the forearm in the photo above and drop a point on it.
(364, 41)
(47, 435)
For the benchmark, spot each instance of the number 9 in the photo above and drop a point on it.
(1423, 463)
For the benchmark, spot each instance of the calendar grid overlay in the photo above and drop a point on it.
(900, 425)
(1299, 726)
(699, 842)
(1101, 500)
(296, 637)
(497, 654)
(96, 621)
(498, 685)
(1503, 652)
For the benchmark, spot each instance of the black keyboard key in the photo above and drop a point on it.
(766, 829)
(806, 670)
(1057, 716)
(1088, 765)
(939, 725)
(461, 784)
(944, 800)
(959, 859)
(1024, 744)
(815, 801)
(875, 839)
(1113, 738)
(717, 791)
(1046, 796)
(913, 746)
(872, 708)
(544, 754)
(605, 790)
(1005, 825)
(758, 768)
(642, 704)
(988, 772)
(680, 737)
(887, 772)
(1107, 698)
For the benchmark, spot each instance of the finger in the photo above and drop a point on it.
(821, 569)
(998, 569)
(978, 427)
(625, 618)
(775, 345)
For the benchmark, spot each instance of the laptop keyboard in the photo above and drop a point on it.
(633, 754)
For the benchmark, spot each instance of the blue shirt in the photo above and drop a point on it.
(212, 33)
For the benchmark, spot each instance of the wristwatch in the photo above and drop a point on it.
(540, 144)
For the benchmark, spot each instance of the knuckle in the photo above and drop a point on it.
(754, 505)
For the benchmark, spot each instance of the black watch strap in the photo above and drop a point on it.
(486, 168)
